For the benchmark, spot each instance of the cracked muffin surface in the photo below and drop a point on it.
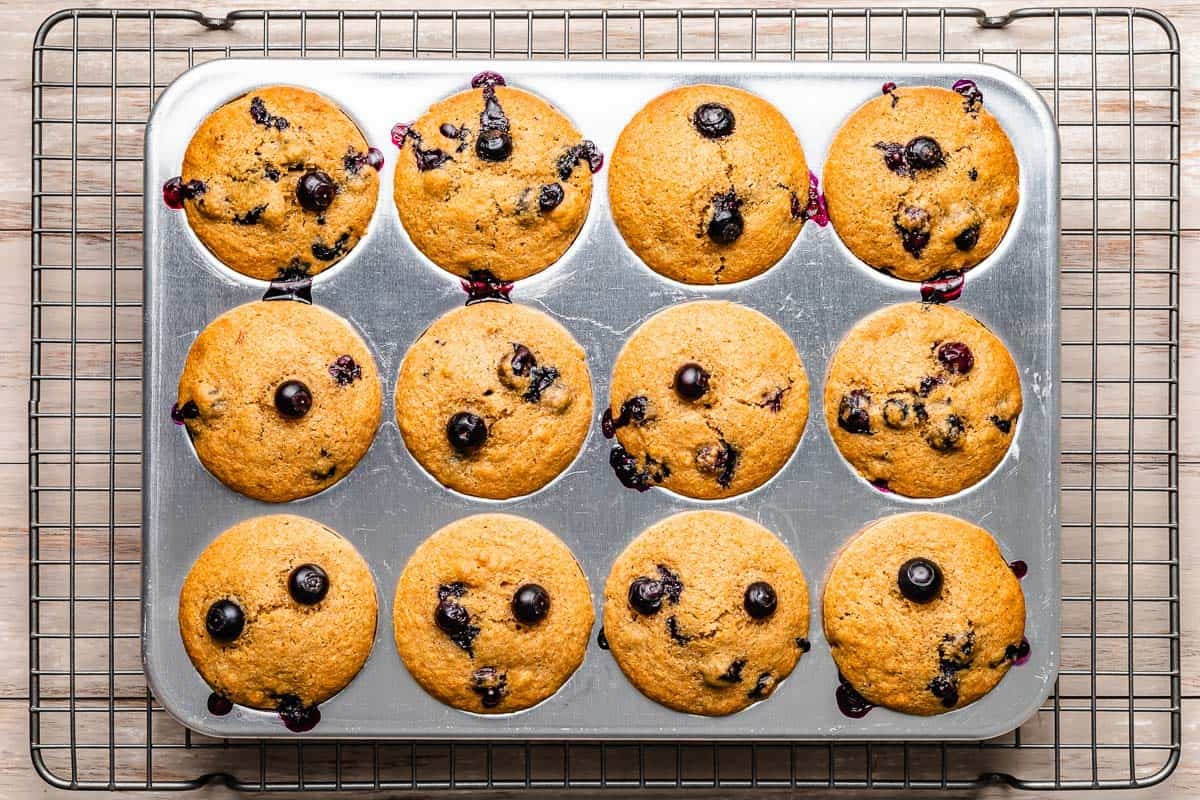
(262, 635)
(922, 399)
(280, 398)
(492, 614)
(708, 184)
(279, 183)
(493, 179)
(706, 612)
(921, 181)
(494, 400)
(930, 651)
(708, 399)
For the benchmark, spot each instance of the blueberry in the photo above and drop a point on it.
(893, 157)
(586, 151)
(345, 370)
(315, 190)
(293, 399)
(895, 413)
(646, 596)
(733, 674)
(530, 603)
(759, 600)
(924, 153)
(491, 686)
(920, 580)
(550, 197)
(466, 432)
(308, 584)
(946, 435)
(972, 97)
(713, 120)
(691, 381)
(726, 224)
(225, 620)
(188, 410)
(449, 130)
(374, 158)
(1004, 425)
(967, 239)
(912, 223)
(677, 636)
(493, 145)
(945, 687)
(928, 384)
(853, 414)
(762, 687)
(296, 716)
(956, 357)
(219, 706)
(451, 617)
(522, 360)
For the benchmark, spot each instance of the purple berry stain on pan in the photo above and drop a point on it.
(482, 285)
(850, 702)
(814, 208)
(882, 485)
(945, 288)
(1019, 568)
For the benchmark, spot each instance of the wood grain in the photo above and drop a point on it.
(19, 19)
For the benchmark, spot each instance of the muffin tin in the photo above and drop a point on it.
(601, 292)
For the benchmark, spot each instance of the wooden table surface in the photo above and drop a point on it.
(18, 21)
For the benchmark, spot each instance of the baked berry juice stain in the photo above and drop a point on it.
(944, 288)
(813, 208)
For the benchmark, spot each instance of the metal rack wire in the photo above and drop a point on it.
(1111, 76)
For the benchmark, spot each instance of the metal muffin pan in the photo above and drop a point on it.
(601, 292)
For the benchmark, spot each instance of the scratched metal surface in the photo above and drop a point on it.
(601, 292)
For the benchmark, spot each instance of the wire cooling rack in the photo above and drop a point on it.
(1111, 77)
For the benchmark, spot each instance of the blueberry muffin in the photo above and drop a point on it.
(492, 614)
(706, 612)
(708, 184)
(709, 399)
(281, 399)
(922, 613)
(493, 179)
(922, 399)
(278, 183)
(494, 400)
(922, 181)
(278, 613)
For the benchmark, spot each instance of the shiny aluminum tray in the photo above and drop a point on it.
(601, 292)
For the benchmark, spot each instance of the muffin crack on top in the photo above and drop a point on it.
(498, 181)
(706, 184)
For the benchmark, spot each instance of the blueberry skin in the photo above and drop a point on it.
(293, 399)
(713, 120)
(451, 617)
(646, 596)
(691, 381)
(924, 152)
(760, 600)
(920, 580)
(225, 620)
(493, 145)
(466, 432)
(308, 584)
(315, 190)
(530, 603)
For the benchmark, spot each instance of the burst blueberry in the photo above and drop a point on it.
(923, 153)
(493, 145)
(853, 412)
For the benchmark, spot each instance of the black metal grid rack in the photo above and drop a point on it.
(1111, 77)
